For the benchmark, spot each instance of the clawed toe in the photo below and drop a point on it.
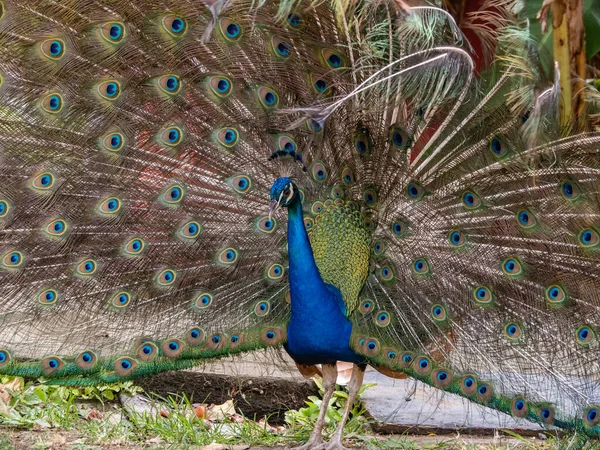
(313, 444)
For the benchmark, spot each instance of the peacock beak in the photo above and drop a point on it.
(274, 205)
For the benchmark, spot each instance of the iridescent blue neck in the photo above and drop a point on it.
(303, 269)
(319, 331)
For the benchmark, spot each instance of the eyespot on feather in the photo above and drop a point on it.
(53, 48)
(43, 181)
(172, 348)
(228, 256)
(317, 207)
(190, 230)
(570, 190)
(370, 197)
(203, 300)
(519, 407)
(333, 59)
(109, 206)
(266, 224)
(109, 90)
(174, 25)
(438, 312)
(121, 299)
(347, 176)
(262, 308)
(166, 277)
(366, 306)
(173, 195)
(415, 191)
(319, 172)
(268, 97)
(113, 32)
(386, 272)
(235, 340)
(512, 331)
(585, 335)
(319, 85)
(216, 341)
(125, 366)
(512, 266)
(12, 259)
(588, 237)
(275, 272)
(336, 192)
(382, 319)
(441, 378)
(169, 84)
(400, 227)
(112, 142)
(220, 85)
(86, 360)
(484, 392)
(272, 336)
(281, 48)
(230, 30)
(52, 103)
(555, 295)
(546, 414)
(48, 297)
(468, 385)
(228, 137)
(195, 336)
(591, 416)
(295, 20)
(457, 238)
(525, 218)
(135, 246)
(241, 184)
(421, 267)
(4, 208)
(286, 144)
(87, 267)
(422, 365)
(378, 247)
(56, 228)
(147, 351)
(171, 136)
(399, 138)
(498, 147)
(362, 142)
(470, 199)
(483, 295)
(52, 364)
(308, 223)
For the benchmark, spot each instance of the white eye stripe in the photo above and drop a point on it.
(280, 197)
(291, 193)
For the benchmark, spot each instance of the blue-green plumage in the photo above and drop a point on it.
(319, 330)
(437, 227)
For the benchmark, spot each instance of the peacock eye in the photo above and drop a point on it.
(286, 193)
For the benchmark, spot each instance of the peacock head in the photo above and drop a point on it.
(283, 193)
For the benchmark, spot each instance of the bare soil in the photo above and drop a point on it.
(253, 397)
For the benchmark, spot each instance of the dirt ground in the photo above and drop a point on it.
(252, 396)
(63, 440)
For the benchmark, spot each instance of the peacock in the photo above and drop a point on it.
(182, 181)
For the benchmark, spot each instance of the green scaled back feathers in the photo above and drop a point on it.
(135, 137)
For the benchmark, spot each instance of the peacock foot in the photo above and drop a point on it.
(315, 443)
(335, 444)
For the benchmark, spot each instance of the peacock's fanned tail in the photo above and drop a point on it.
(138, 144)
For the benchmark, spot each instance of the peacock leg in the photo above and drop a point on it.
(358, 373)
(316, 439)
